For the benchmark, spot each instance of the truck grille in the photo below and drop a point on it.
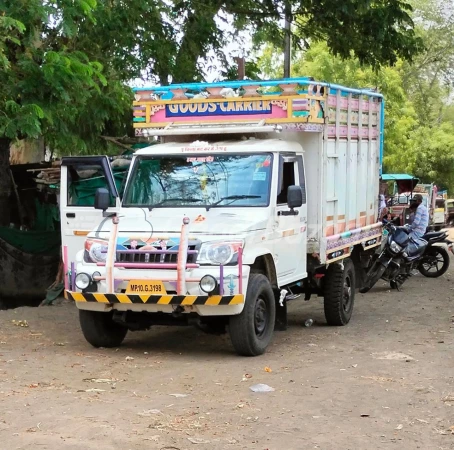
(154, 258)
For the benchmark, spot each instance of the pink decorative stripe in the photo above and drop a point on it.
(354, 103)
(354, 131)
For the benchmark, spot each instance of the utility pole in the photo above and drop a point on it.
(287, 39)
(241, 67)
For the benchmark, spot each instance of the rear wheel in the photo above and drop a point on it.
(252, 330)
(340, 285)
(435, 262)
(100, 330)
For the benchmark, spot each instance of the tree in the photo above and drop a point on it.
(377, 31)
(48, 86)
(430, 77)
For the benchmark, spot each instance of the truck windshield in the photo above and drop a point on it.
(199, 180)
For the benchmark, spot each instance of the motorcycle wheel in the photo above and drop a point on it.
(434, 263)
(372, 276)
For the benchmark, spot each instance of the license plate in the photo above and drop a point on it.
(146, 287)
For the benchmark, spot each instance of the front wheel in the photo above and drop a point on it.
(100, 330)
(252, 330)
(340, 285)
(434, 263)
(372, 276)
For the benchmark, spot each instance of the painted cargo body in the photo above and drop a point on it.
(258, 192)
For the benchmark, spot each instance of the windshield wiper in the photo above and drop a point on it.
(189, 200)
(231, 197)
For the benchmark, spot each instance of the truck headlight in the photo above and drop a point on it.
(95, 251)
(219, 252)
(82, 281)
(208, 284)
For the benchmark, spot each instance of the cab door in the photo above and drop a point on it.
(80, 177)
(291, 230)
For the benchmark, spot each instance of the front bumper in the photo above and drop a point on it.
(141, 299)
(195, 300)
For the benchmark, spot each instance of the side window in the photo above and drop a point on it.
(288, 179)
(83, 180)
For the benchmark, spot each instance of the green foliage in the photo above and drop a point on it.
(419, 120)
(51, 83)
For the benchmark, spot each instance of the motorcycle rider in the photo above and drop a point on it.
(420, 222)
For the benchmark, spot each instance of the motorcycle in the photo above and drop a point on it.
(399, 256)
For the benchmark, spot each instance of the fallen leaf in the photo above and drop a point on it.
(394, 356)
(198, 441)
(33, 385)
(154, 438)
(91, 390)
(149, 413)
(129, 358)
(365, 415)
(399, 427)
(267, 369)
(179, 395)
(100, 380)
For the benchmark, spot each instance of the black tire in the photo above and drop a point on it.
(340, 285)
(252, 330)
(100, 330)
(372, 276)
(434, 258)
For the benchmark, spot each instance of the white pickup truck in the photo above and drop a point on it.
(257, 194)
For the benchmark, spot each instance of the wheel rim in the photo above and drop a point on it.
(260, 317)
(347, 294)
(434, 263)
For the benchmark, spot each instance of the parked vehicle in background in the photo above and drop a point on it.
(400, 256)
(399, 203)
(450, 212)
(440, 215)
(257, 193)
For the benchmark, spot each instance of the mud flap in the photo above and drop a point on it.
(281, 323)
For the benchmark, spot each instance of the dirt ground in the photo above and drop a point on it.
(385, 381)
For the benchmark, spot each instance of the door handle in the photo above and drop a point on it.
(71, 215)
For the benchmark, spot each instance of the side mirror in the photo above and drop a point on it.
(102, 199)
(294, 197)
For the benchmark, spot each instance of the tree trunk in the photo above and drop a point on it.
(199, 33)
(5, 182)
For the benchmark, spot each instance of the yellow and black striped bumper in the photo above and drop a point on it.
(183, 300)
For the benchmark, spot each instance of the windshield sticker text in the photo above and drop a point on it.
(203, 159)
(259, 176)
(209, 148)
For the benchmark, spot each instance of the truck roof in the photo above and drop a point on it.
(230, 146)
